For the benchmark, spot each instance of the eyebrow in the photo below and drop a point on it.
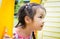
(42, 15)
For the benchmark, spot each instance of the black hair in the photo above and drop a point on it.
(27, 10)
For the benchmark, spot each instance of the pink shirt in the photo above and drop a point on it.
(17, 36)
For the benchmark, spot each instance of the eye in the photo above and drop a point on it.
(40, 17)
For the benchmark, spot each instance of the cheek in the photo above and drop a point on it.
(37, 24)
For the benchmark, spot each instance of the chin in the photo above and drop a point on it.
(39, 29)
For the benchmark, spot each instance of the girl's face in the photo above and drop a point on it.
(38, 19)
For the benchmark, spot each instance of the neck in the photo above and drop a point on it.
(24, 32)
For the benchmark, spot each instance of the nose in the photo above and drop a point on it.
(43, 21)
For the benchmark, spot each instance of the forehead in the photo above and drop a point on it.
(40, 11)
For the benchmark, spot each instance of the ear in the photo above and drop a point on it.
(27, 19)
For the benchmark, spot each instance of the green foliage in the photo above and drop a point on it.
(17, 5)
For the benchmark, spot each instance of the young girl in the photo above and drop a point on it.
(30, 18)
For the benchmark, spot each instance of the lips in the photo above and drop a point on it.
(41, 25)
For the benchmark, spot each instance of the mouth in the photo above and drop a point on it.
(41, 25)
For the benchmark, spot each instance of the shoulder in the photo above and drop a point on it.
(15, 35)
